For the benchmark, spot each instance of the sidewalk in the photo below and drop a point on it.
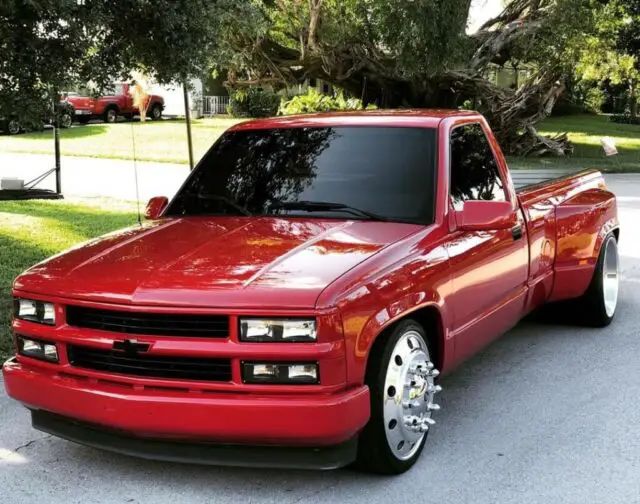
(93, 177)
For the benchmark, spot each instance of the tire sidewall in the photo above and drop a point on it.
(156, 112)
(597, 286)
(374, 435)
(111, 115)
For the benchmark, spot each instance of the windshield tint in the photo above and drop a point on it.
(365, 171)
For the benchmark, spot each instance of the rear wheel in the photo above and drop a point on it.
(597, 306)
(66, 120)
(401, 379)
(110, 115)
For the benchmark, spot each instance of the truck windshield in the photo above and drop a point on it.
(372, 173)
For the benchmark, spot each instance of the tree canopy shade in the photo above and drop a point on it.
(414, 53)
(46, 45)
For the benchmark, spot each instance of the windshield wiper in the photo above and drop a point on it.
(318, 206)
(230, 202)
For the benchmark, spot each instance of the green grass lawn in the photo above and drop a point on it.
(162, 141)
(166, 141)
(30, 231)
(585, 131)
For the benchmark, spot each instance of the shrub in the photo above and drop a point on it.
(593, 100)
(255, 102)
(624, 119)
(314, 101)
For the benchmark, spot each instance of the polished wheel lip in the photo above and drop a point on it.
(409, 389)
(610, 277)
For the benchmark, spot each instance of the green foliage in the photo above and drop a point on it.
(254, 102)
(313, 101)
(49, 45)
(594, 100)
(624, 119)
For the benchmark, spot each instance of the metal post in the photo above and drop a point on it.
(187, 114)
(56, 142)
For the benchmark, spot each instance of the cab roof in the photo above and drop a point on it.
(425, 118)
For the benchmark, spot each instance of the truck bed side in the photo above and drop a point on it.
(567, 219)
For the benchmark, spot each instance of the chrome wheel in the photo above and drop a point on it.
(111, 116)
(409, 391)
(13, 127)
(610, 277)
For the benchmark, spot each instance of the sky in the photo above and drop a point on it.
(483, 10)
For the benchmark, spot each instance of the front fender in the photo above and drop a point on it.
(402, 291)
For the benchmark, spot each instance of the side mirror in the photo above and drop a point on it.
(155, 207)
(485, 216)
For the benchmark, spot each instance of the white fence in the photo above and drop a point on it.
(212, 105)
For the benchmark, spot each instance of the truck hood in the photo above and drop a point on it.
(213, 262)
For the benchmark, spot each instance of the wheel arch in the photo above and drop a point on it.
(430, 319)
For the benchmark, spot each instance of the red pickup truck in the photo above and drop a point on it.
(296, 302)
(117, 102)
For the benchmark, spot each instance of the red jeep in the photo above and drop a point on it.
(118, 102)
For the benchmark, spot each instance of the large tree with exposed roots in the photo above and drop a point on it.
(414, 53)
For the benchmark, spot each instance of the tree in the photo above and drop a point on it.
(415, 53)
(610, 54)
(47, 45)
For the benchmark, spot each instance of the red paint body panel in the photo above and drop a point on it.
(357, 277)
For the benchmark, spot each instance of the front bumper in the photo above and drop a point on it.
(314, 420)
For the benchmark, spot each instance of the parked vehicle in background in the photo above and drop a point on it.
(11, 123)
(117, 102)
(297, 300)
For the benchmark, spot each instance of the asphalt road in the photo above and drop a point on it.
(548, 414)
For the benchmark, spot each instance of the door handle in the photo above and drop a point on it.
(516, 231)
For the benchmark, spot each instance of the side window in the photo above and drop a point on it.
(473, 167)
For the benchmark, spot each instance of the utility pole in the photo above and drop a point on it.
(187, 115)
(56, 144)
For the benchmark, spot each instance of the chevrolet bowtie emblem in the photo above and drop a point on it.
(131, 346)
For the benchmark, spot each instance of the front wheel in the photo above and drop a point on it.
(401, 379)
(13, 127)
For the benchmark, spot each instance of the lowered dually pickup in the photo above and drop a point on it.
(294, 304)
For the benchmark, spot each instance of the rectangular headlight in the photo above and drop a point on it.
(278, 330)
(34, 311)
(280, 374)
(37, 349)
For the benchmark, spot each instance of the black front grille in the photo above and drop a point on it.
(152, 366)
(153, 324)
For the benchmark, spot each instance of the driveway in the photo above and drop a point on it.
(547, 414)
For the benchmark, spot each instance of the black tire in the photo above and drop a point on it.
(110, 115)
(84, 119)
(374, 453)
(155, 113)
(590, 308)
